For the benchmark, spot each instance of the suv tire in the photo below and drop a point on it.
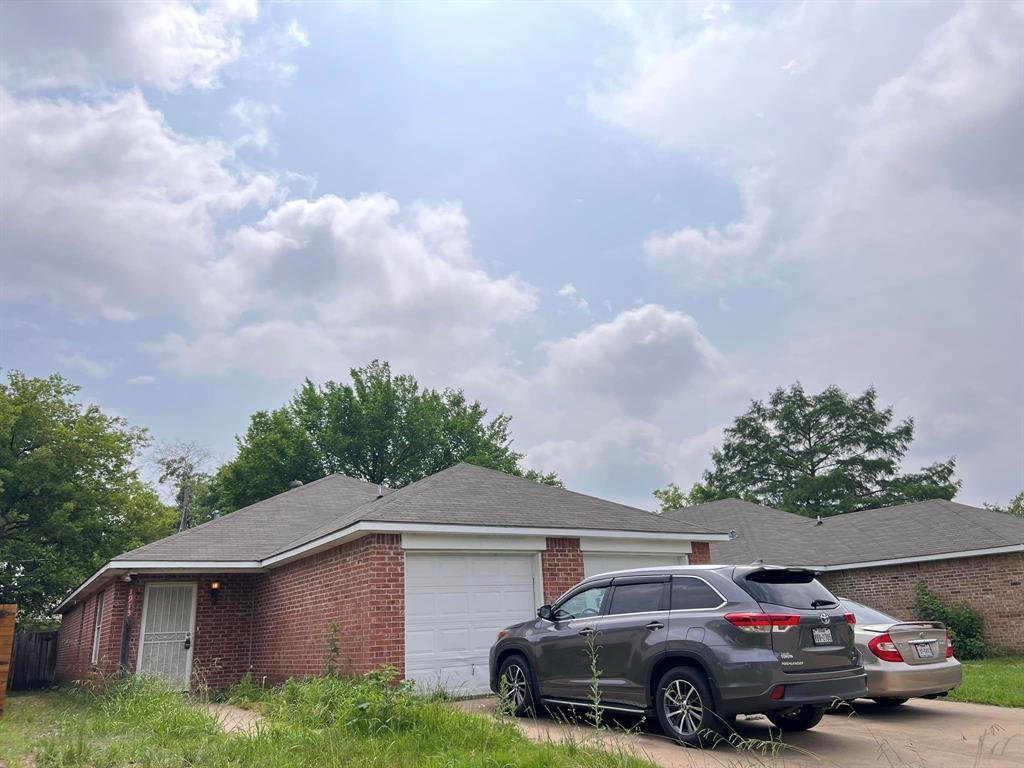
(515, 682)
(686, 709)
(802, 719)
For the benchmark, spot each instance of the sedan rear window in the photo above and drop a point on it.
(791, 589)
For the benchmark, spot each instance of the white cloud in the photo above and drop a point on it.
(106, 210)
(143, 379)
(568, 291)
(885, 142)
(253, 121)
(170, 45)
(327, 283)
(82, 364)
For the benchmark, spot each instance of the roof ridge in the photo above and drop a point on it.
(978, 523)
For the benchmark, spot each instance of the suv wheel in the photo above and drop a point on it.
(801, 719)
(514, 683)
(686, 710)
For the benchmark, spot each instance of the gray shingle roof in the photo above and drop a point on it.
(906, 531)
(461, 495)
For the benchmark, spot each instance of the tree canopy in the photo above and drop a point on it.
(1015, 508)
(70, 497)
(381, 427)
(821, 454)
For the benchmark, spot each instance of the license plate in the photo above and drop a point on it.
(925, 651)
(821, 636)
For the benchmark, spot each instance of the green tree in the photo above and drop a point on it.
(381, 427)
(672, 497)
(1015, 508)
(822, 455)
(70, 497)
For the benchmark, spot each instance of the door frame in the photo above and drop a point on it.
(191, 629)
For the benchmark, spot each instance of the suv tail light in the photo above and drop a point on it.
(949, 646)
(884, 648)
(850, 618)
(763, 622)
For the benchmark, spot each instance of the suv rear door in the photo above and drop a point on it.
(631, 635)
(809, 630)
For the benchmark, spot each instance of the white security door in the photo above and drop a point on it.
(168, 622)
(602, 562)
(454, 606)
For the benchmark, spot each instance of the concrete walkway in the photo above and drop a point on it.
(920, 734)
(232, 718)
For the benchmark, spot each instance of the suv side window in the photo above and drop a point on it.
(638, 598)
(690, 594)
(582, 604)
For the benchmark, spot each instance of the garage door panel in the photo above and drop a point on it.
(602, 562)
(455, 605)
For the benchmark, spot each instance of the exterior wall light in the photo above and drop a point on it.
(214, 591)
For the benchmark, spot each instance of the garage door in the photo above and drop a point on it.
(601, 562)
(454, 606)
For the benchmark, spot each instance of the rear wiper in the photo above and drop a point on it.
(822, 603)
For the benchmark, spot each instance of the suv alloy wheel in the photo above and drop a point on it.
(515, 685)
(686, 710)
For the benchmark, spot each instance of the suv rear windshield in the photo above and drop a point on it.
(792, 589)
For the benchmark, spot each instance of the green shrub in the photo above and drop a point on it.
(963, 622)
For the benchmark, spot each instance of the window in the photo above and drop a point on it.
(690, 594)
(791, 589)
(96, 627)
(582, 604)
(638, 598)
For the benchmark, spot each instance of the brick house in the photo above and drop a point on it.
(349, 574)
(878, 556)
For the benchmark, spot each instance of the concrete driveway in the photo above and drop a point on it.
(921, 734)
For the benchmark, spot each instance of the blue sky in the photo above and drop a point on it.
(617, 222)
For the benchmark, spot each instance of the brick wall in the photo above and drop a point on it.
(993, 584)
(700, 553)
(358, 586)
(561, 565)
(75, 637)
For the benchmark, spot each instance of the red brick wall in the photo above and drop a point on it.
(75, 637)
(561, 566)
(993, 584)
(700, 553)
(358, 586)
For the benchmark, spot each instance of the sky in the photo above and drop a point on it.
(617, 222)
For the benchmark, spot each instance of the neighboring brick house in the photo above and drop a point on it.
(342, 573)
(878, 556)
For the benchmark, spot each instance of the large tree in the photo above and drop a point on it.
(820, 454)
(381, 427)
(70, 497)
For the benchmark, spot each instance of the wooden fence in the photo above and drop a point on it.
(7, 615)
(34, 661)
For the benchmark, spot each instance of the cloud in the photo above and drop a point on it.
(569, 292)
(253, 121)
(106, 210)
(887, 195)
(170, 45)
(318, 285)
(82, 364)
(144, 379)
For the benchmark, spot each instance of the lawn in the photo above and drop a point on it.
(997, 681)
(322, 722)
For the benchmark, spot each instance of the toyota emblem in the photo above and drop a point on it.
(825, 619)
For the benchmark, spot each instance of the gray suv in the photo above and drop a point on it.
(697, 645)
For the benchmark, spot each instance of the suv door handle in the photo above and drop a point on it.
(654, 625)
(586, 631)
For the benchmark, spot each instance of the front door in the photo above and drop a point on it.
(168, 622)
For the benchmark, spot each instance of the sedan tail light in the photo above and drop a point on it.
(850, 618)
(884, 648)
(949, 646)
(763, 622)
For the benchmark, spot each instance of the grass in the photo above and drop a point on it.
(322, 722)
(998, 681)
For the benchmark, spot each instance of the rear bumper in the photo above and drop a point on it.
(820, 691)
(898, 680)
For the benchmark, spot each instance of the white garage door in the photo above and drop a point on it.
(602, 562)
(454, 606)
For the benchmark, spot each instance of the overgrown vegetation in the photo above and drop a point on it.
(998, 681)
(328, 721)
(963, 622)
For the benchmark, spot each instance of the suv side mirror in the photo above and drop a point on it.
(545, 612)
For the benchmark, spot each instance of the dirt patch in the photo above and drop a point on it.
(235, 719)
